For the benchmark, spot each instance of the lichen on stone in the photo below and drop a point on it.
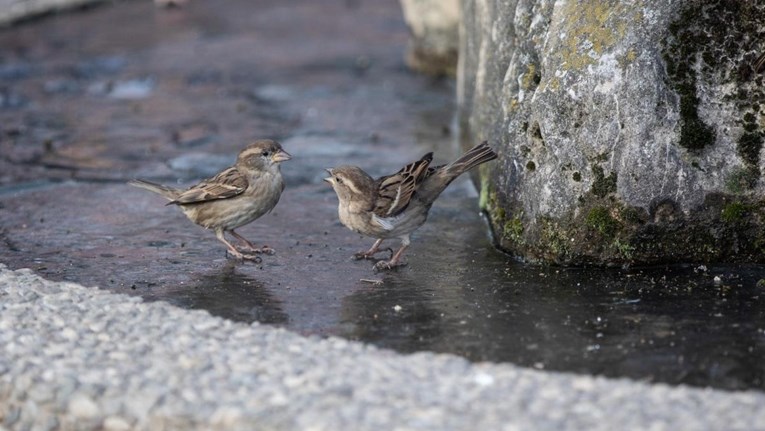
(531, 78)
(594, 26)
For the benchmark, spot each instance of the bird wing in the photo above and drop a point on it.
(394, 192)
(226, 184)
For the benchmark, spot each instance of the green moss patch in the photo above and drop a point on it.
(599, 218)
(513, 229)
(742, 179)
(602, 185)
(734, 212)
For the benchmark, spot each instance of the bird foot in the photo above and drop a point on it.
(386, 265)
(243, 257)
(362, 255)
(262, 250)
(369, 254)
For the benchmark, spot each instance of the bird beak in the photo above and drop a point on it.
(280, 156)
(329, 180)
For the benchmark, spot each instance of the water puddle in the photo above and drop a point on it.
(173, 97)
(668, 324)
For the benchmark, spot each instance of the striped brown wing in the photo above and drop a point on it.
(395, 191)
(226, 184)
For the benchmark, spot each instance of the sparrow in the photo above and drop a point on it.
(236, 196)
(396, 205)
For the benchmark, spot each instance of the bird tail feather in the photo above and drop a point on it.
(477, 155)
(168, 193)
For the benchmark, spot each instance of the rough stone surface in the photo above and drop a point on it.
(627, 132)
(13, 10)
(82, 358)
(434, 42)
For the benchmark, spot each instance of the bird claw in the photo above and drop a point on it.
(252, 258)
(386, 265)
(266, 250)
(263, 250)
(361, 255)
(243, 257)
(370, 254)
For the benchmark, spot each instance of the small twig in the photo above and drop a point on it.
(371, 281)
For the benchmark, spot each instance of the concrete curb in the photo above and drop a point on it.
(73, 357)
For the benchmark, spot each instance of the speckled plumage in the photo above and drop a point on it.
(235, 197)
(396, 205)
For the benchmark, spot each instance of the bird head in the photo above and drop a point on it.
(350, 183)
(263, 154)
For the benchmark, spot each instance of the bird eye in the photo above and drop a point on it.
(265, 153)
(339, 180)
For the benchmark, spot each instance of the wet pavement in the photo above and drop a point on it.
(172, 95)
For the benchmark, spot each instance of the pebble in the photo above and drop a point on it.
(81, 406)
(274, 93)
(133, 89)
(115, 423)
(106, 65)
(69, 334)
(14, 71)
(226, 417)
(483, 379)
(12, 99)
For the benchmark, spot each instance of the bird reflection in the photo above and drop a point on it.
(232, 295)
(393, 314)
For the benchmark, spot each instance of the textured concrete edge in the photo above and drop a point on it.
(15, 10)
(155, 366)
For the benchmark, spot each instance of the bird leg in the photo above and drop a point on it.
(396, 259)
(371, 252)
(234, 252)
(248, 246)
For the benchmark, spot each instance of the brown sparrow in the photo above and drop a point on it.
(234, 197)
(396, 205)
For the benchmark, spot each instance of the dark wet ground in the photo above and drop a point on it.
(93, 98)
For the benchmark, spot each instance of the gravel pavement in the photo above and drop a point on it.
(73, 357)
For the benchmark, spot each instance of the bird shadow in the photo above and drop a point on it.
(231, 295)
